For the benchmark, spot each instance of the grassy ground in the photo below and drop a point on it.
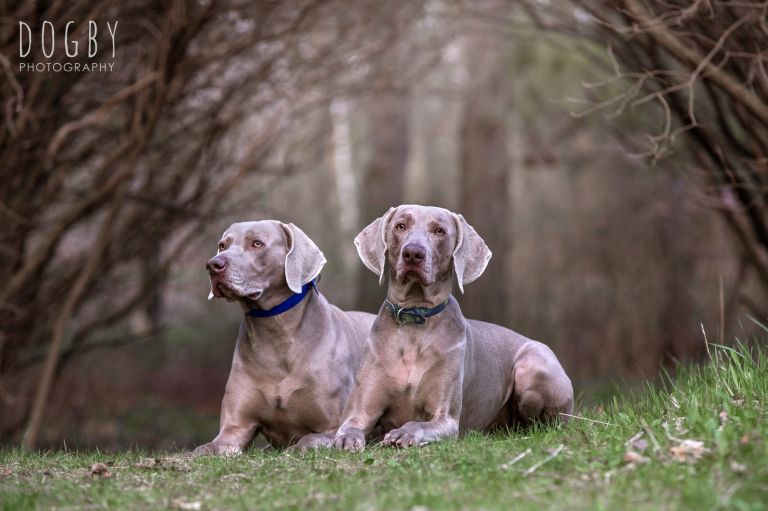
(698, 443)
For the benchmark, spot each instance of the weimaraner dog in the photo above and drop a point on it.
(296, 355)
(429, 373)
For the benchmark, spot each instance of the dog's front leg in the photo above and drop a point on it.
(314, 441)
(413, 434)
(445, 418)
(232, 439)
(238, 426)
(364, 408)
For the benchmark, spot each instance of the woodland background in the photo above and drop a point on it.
(612, 154)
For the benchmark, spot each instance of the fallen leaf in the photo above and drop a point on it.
(171, 464)
(191, 505)
(739, 468)
(149, 463)
(101, 470)
(633, 457)
(639, 444)
(688, 450)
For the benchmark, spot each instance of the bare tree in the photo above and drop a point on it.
(699, 69)
(108, 177)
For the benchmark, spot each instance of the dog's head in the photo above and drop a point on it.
(424, 244)
(256, 259)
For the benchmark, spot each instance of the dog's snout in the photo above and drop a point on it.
(216, 264)
(413, 253)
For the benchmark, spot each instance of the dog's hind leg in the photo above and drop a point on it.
(542, 390)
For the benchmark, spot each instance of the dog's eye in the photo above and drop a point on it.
(439, 230)
(400, 226)
(257, 243)
(222, 246)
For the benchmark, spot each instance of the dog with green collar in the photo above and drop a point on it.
(428, 372)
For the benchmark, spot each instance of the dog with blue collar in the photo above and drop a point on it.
(296, 355)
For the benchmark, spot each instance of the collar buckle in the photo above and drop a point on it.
(413, 315)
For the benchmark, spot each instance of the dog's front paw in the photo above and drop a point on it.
(212, 448)
(313, 441)
(352, 439)
(204, 450)
(400, 437)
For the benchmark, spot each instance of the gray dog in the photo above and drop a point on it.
(296, 355)
(428, 372)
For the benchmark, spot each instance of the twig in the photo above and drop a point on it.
(585, 419)
(516, 458)
(19, 99)
(636, 437)
(692, 58)
(67, 310)
(608, 475)
(726, 496)
(722, 311)
(670, 436)
(534, 467)
(100, 113)
(656, 446)
(706, 342)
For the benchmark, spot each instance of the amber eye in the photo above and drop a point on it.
(400, 226)
(222, 246)
(257, 243)
(439, 230)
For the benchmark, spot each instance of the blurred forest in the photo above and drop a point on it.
(612, 154)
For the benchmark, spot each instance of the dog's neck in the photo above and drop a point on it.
(413, 293)
(282, 328)
(269, 298)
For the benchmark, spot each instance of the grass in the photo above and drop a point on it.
(579, 465)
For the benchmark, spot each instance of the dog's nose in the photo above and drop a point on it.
(216, 264)
(414, 253)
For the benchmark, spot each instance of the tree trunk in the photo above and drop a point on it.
(485, 174)
(383, 175)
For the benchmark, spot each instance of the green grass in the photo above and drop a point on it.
(579, 465)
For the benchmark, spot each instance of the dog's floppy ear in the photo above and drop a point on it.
(304, 259)
(371, 244)
(471, 255)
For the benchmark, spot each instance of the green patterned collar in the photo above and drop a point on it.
(414, 315)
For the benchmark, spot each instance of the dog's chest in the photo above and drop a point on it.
(295, 403)
(414, 391)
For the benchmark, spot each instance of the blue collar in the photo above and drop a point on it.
(288, 304)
